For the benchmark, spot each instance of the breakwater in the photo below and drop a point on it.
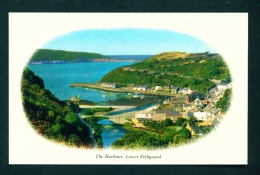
(120, 90)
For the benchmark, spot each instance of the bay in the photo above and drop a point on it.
(58, 77)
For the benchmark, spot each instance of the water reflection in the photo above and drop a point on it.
(110, 132)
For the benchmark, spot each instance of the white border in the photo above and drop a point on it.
(226, 33)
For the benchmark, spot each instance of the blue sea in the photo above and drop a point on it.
(58, 77)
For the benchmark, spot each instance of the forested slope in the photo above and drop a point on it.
(49, 116)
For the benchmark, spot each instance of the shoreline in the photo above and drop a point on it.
(88, 61)
(116, 107)
(120, 90)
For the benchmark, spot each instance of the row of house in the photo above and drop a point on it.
(181, 104)
(160, 115)
(172, 88)
(134, 86)
(199, 108)
(185, 91)
(140, 87)
(157, 115)
(109, 85)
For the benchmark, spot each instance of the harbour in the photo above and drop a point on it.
(125, 90)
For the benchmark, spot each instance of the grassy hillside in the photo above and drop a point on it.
(183, 55)
(192, 70)
(49, 116)
(59, 55)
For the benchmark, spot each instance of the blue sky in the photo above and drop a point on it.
(127, 41)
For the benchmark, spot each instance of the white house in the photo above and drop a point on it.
(109, 85)
(199, 115)
(158, 88)
(202, 115)
(222, 86)
(140, 87)
(143, 117)
(185, 91)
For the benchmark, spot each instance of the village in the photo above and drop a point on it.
(181, 103)
(188, 103)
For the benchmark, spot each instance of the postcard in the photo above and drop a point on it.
(128, 88)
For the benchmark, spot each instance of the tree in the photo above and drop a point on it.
(184, 133)
(50, 116)
(71, 117)
(57, 128)
(87, 112)
(167, 122)
(180, 121)
(73, 138)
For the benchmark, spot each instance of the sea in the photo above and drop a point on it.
(58, 77)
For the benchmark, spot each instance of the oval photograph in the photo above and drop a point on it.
(127, 88)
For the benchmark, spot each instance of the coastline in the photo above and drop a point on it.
(87, 61)
(116, 108)
(120, 90)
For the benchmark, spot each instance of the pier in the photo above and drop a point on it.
(120, 90)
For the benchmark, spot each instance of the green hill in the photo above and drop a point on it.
(194, 70)
(50, 117)
(183, 55)
(67, 56)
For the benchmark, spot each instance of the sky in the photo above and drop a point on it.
(127, 41)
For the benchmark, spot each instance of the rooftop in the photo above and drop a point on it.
(178, 100)
(196, 129)
(74, 99)
(141, 86)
